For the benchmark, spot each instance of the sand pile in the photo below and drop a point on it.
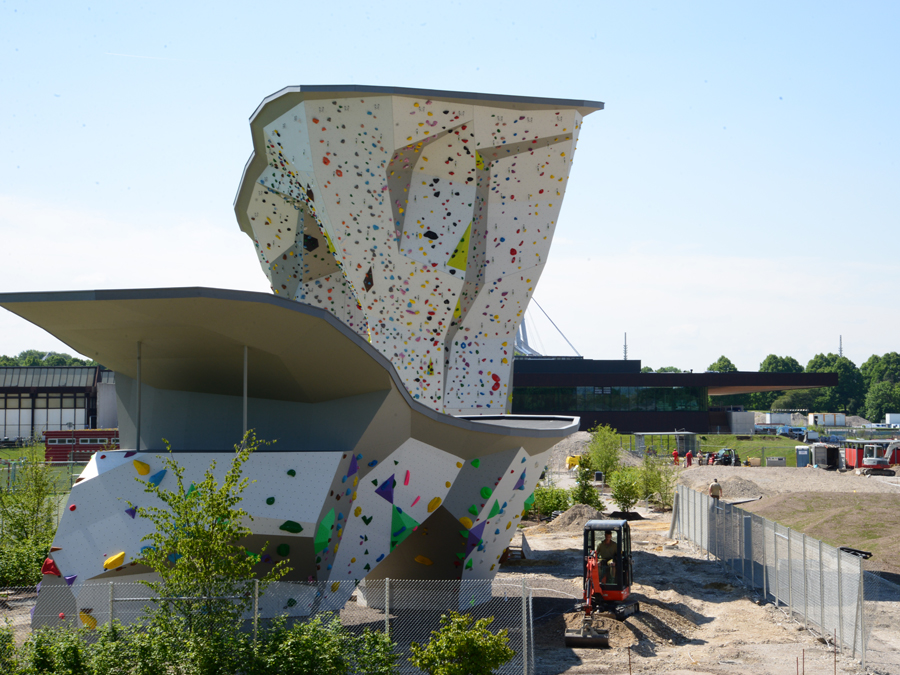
(735, 487)
(574, 519)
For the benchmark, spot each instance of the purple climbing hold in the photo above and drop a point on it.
(354, 467)
(71, 579)
(131, 512)
(130, 453)
(386, 489)
(474, 537)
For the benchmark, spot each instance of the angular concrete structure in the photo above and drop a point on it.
(420, 219)
(403, 232)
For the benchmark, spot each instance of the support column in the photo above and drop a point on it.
(245, 391)
(137, 445)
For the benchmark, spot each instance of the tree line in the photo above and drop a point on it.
(34, 357)
(870, 391)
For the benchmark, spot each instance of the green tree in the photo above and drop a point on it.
(881, 369)
(763, 400)
(850, 393)
(584, 491)
(669, 369)
(27, 507)
(459, 648)
(646, 369)
(883, 397)
(604, 450)
(196, 549)
(625, 486)
(796, 399)
(722, 365)
(550, 499)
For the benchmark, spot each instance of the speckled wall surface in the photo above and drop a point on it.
(421, 222)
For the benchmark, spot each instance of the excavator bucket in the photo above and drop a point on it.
(587, 636)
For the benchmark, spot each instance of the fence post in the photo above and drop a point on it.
(862, 612)
(840, 598)
(790, 576)
(387, 606)
(821, 590)
(805, 588)
(255, 608)
(524, 630)
(111, 599)
(765, 564)
(856, 613)
(775, 552)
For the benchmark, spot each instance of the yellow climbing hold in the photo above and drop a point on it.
(467, 522)
(89, 622)
(508, 524)
(447, 484)
(142, 468)
(114, 561)
(422, 560)
(353, 560)
(459, 465)
(357, 511)
(433, 504)
(336, 585)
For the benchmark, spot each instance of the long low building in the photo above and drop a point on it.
(35, 399)
(617, 393)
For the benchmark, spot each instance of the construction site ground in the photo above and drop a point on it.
(695, 617)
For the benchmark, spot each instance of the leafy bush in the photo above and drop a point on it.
(20, 561)
(462, 649)
(658, 479)
(584, 491)
(625, 486)
(604, 450)
(549, 499)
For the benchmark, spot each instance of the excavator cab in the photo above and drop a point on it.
(607, 574)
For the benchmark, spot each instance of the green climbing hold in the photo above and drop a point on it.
(283, 550)
(323, 532)
(469, 564)
(291, 473)
(191, 490)
(473, 510)
(270, 501)
(529, 501)
(291, 526)
(476, 463)
(495, 509)
(291, 602)
(486, 492)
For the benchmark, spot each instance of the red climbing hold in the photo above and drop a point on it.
(72, 508)
(49, 567)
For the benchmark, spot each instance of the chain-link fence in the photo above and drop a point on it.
(818, 585)
(406, 610)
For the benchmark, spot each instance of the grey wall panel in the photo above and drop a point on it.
(209, 422)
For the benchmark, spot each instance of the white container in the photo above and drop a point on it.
(776, 461)
(892, 418)
(828, 419)
(778, 418)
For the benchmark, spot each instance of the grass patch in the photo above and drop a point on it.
(773, 446)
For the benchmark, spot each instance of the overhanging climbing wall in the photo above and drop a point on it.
(422, 220)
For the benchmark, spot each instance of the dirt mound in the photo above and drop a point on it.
(735, 487)
(574, 519)
(654, 623)
(856, 421)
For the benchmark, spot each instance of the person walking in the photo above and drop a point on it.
(675, 457)
(715, 490)
(689, 458)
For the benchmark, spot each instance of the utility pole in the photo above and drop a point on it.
(625, 350)
(841, 346)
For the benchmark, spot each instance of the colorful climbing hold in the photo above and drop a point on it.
(467, 522)
(131, 511)
(114, 561)
(283, 550)
(156, 478)
(72, 507)
(291, 473)
(49, 567)
(357, 511)
(270, 501)
(422, 560)
(141, 467)
(486, 492)
(433, 504)
(291, 526)
(71, 579)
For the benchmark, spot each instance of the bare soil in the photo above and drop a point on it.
(695, 617)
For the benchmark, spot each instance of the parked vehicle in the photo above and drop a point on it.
(872, 458)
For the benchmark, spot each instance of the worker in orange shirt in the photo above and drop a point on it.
(675, 457)
(689, 458)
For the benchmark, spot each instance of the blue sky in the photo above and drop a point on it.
(738, 196)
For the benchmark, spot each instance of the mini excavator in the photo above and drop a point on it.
(607, 576)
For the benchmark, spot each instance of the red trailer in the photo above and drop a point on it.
(78, 444)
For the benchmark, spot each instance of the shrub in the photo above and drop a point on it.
(658, 479)
(584, 491)
(550, 499)
(462, 649)
(604, 450)
(20, 561)
(625, 486)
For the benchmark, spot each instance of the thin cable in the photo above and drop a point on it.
(534, 300)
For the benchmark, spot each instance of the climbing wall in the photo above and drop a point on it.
(423, 224)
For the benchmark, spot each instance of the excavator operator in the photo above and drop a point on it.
(606, 554)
